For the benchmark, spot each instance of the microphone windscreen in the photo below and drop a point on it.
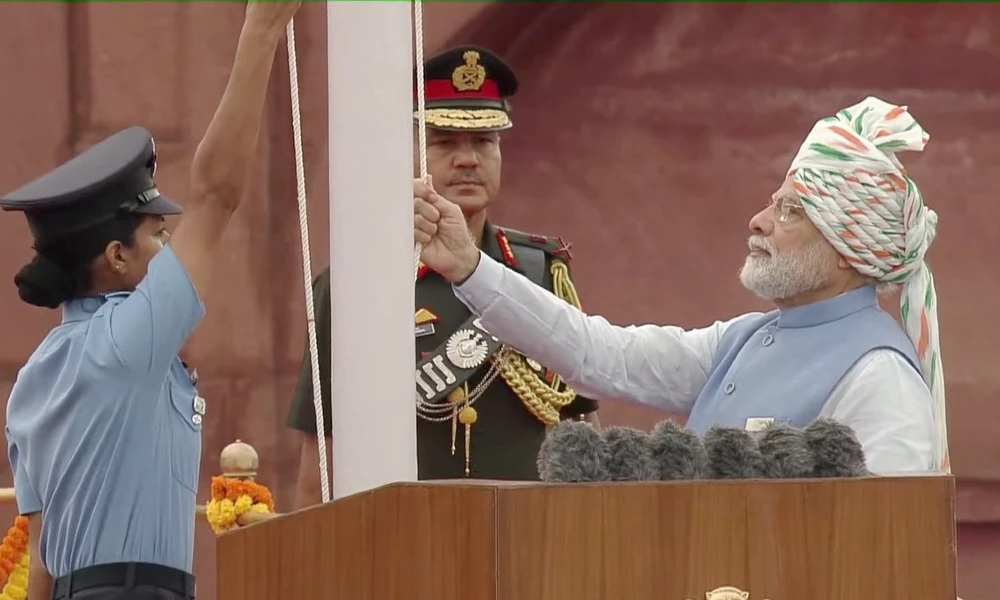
(786, 453)
(836, 450)
(573, 451)
(732, 454)
(678, 452)
(630, 457)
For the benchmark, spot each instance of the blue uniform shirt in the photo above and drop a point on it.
(103, 432)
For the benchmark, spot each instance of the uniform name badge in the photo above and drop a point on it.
(755, 424)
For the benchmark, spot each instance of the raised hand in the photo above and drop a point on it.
(439, 225)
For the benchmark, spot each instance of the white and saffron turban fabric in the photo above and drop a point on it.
(857, 193)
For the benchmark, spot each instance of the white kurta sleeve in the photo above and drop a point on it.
(661, 367)
(888, 405)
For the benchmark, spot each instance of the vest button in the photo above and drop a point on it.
(768, 339)
(730, 387)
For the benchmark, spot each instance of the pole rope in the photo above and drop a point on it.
(307, 278)
(418, 35)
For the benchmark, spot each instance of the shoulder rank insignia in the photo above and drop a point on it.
(470, 76)
(554, 246)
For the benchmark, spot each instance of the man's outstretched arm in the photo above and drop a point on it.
(661, 367)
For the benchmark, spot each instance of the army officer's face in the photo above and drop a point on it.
(465, 167)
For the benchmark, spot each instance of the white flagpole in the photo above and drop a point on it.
(371, 243)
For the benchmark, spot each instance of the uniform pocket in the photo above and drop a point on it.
(185, 437)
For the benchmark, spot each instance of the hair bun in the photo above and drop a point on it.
(44, 283)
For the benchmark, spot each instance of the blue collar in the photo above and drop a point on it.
(829, 310)
(82, 309)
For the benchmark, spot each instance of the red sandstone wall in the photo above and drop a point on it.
(646, 134)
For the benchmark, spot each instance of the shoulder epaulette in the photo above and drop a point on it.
(554, 246)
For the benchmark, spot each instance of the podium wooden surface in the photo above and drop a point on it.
(852, 539)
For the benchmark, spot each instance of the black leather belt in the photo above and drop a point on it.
(126, 576)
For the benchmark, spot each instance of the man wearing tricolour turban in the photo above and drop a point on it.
(856, 192)
(846, 222)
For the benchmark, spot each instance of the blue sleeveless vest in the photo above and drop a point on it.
(783, 365)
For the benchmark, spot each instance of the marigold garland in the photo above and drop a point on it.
(232, 498)
(14, 561)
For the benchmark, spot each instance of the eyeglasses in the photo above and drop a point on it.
(784, 206)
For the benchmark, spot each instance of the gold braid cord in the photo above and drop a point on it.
(538, 396)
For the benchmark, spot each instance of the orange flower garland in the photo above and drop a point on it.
(14, 561)
(232, 498)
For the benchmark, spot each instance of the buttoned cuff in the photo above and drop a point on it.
(482, 288)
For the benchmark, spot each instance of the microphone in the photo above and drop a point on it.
(786, 453)
(572, 452)
(836, 450)
(630, 457)
(678, 452)
(732, 454)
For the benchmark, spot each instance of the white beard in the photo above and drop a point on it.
(787, 274)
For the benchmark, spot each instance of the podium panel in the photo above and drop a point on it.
(884, 538)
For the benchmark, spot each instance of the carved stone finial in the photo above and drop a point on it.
(239, 461)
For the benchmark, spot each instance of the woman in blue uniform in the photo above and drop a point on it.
(104, 422)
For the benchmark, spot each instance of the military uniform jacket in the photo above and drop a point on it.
(514, 398)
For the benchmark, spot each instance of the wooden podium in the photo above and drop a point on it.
(853, 539)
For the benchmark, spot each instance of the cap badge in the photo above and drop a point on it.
(470, 76)
(152, 159)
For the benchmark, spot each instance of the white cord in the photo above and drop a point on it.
(300, 181)
(418, 35)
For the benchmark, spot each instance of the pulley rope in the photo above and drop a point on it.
(418, 35)
(300, 182)
(307, 279)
